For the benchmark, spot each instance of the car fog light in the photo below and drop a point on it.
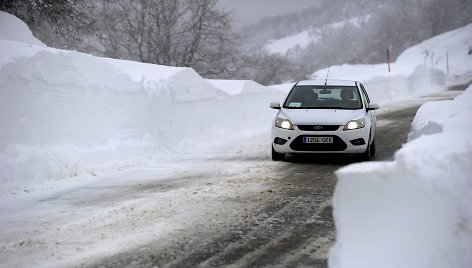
(358, 142)
(280, 141)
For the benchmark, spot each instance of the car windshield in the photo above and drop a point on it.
(324, 97)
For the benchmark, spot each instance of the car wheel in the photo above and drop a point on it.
(368, 152)
(277, 156)
(372, 149)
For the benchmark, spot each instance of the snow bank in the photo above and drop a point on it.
(65, 113)
(419, 70)
(422, 81)
(239, 87)
(14, 29)
(17, 41)
(454, 47)
(285, 88)
(384, 87)
(415, 211)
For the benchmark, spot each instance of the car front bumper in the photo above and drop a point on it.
(346, 142)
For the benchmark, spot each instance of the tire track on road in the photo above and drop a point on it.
(289, 224)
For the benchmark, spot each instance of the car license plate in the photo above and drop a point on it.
(318, 140)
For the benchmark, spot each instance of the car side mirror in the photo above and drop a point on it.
(275, 105)
(373, 107)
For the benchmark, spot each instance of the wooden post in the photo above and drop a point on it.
(388, 59)
(447, 62)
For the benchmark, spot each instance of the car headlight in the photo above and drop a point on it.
(283, 123)
(355, 124)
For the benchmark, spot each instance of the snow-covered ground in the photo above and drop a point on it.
(301, 40)
(76, 128)
(419, 70)
(82, 137)
(83, 220)
(305, 38)
(65, 114)
(417, 210)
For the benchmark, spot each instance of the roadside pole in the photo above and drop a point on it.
(447, 62)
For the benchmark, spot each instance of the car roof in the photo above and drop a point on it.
(329, 82)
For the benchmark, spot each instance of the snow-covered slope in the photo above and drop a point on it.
(301, 40)
(412, 74)
(65, 113)
(14, 29)
(453, 49)
(304, 38)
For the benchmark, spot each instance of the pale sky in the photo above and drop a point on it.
(251, 11)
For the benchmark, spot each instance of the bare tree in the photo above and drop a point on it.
(270, 69)
(170, 32)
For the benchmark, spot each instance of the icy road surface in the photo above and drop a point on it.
(235, 208)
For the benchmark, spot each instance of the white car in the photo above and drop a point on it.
(324, 116)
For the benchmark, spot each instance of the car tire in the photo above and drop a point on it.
(277, 156)
(368, 152)
(372, 149)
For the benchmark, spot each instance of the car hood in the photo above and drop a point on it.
(321, 116)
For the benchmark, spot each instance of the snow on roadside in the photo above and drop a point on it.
(451, 49)
(239, 87)
(86, 221)
(418, 71)
(415, 211)
(14, 29)
(65, 113)
(384, 87)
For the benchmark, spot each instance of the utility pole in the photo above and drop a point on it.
(388, 59)
(447, 62)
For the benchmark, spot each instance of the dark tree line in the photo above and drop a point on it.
(183, 33)
(169, 32)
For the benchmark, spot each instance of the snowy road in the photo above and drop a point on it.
(286, 224)
(114, 163)
(235, 208)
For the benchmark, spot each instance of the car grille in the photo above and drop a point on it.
(318, 127)
(337, 145)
